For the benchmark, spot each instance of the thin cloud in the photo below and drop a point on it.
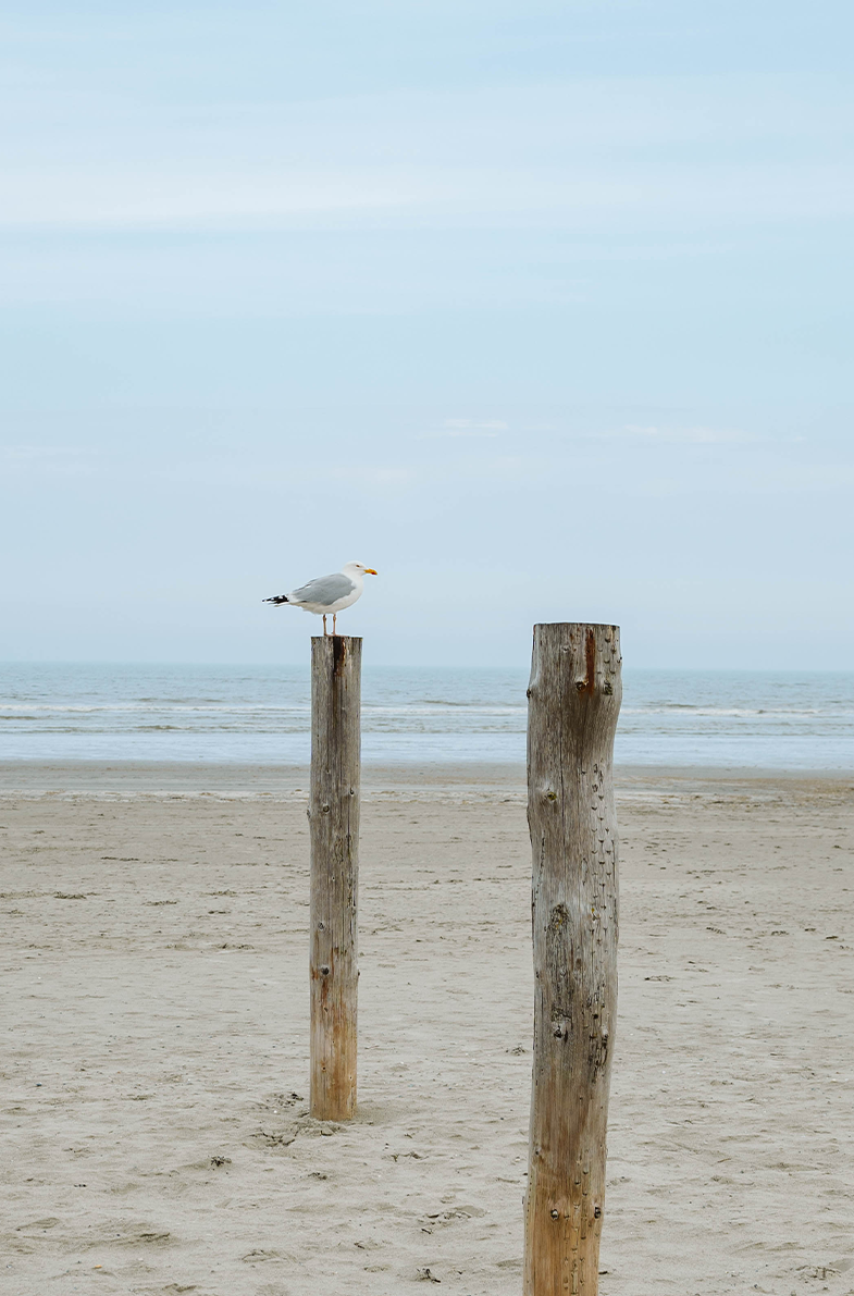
(49, 461)
(463, 427)
(377, 475)
(28, 452)
(688, 435)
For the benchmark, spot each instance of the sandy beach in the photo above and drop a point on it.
(155, 1128)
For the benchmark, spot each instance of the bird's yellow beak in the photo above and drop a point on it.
(369, 571)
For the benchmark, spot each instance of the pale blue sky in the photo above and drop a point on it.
(542, 309)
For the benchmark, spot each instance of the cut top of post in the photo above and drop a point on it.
(579, 658)
(342, 653)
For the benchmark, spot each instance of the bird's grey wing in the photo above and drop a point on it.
(325, 590)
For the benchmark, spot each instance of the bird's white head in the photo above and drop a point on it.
(355, 568)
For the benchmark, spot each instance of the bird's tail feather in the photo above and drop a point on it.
(280, 598)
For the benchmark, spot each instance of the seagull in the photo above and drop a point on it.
(328, 594)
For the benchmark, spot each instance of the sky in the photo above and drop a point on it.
(542, 309)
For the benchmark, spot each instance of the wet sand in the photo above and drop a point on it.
(155, 1065)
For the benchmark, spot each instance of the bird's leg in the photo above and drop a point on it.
(324, 624)
(334, 619)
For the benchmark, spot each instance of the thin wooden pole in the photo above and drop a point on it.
(336, 663)
(574, 701)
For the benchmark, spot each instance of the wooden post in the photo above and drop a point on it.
(336, 662)
(574, 701)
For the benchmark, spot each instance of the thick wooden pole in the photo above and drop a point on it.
(336, 663)
(574, 701)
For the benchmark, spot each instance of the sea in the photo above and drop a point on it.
(798, 721)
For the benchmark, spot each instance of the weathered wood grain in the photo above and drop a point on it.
(574, 702)
(336, 663)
